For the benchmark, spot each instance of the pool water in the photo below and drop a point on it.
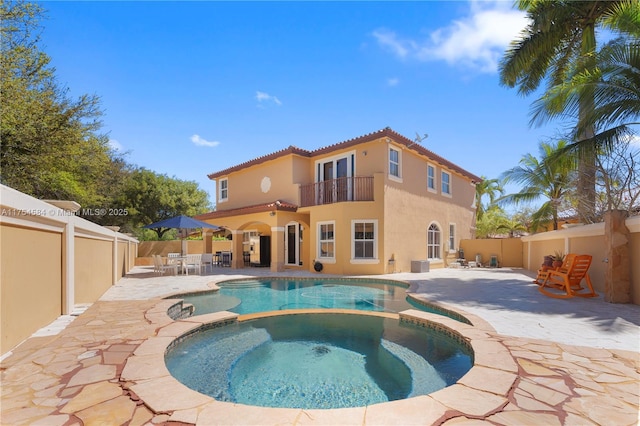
(317, 361)
(250, 296)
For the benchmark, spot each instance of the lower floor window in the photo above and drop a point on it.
(364, 240)
(326, 240)
(433, 242)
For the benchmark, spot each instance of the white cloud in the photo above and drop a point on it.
(197, 140)
(391, 82)
(115, 145)
(263, 97)
(477, 40)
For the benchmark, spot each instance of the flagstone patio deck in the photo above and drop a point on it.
(539, 361)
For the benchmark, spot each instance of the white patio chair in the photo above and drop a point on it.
(206, 261)
(160, 268)
(193, 261)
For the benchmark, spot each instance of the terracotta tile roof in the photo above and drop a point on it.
(386, 132)
(276, 205)
(289, 150)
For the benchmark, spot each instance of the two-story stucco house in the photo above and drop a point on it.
(368, 205)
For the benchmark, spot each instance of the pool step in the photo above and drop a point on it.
(231, 348)
(180, 310)
(425, 378)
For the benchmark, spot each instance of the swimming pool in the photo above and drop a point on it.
(246, 296)
(319, 360)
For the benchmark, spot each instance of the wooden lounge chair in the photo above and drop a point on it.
(567, 280)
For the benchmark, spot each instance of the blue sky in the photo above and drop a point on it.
(190, 88)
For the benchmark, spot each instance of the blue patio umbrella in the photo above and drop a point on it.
(181, 222)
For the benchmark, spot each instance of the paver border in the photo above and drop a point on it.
(146, 375)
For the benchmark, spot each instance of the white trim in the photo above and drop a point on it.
(590, 230)
(277, 229)
(33, 224)
(633, 223)
(473, 200)
(364, 261)
(68, 268)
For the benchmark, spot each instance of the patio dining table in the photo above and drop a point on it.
(181, 261)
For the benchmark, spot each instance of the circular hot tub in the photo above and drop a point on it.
(318, 360)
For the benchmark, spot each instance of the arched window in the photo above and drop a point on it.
(433, 242)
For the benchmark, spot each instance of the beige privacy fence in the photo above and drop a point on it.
(528, 252)
(50, 260)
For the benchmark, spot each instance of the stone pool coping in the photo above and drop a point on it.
(483, 390)
(74, 376)
(441, 308)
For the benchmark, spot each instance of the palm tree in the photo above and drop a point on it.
(560, 38)
(542, 178)
(615, 85)
(489, 187)
(512, 226)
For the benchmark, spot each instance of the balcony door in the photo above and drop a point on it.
(333, 175)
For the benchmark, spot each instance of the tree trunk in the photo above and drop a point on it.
(587, 157)
(618, 273)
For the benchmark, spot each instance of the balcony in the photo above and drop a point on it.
(337, 191)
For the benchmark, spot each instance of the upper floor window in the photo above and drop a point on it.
(446, 183)
(364, 241)
(223, 191)
(431, 178)
(394, 163)
(326, 240)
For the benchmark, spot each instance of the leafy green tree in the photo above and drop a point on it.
(487, 188)
(487, 226)
(548, 177)
(150, 197)
(618, 178)
(560, 39)
(51, 147)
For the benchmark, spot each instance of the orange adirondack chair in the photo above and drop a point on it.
(567, 280)
(543, 272)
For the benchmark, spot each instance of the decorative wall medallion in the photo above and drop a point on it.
(265, 184)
